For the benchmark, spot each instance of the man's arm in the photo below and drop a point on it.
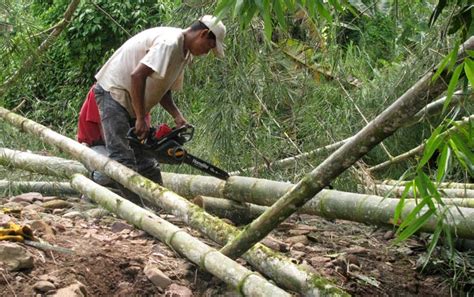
(169, 105)
(139, 76)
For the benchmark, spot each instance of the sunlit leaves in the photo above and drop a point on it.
(274, 12)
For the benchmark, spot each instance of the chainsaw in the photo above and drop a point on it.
(166, 146)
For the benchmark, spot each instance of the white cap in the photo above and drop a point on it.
(218, 28)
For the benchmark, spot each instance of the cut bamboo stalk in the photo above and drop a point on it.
(46, 165)
(327, 203)
(384, 125)
(237, 212)
(271, 263)
(397, 191)
(209, 259)
(371, 209)
(448, 185)
(45, 188)
(432, 109)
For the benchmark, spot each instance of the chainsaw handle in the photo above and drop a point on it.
(133, 138)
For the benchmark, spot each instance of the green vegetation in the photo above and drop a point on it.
(293, 79)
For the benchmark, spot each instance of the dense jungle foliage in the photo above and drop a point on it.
(290, 82)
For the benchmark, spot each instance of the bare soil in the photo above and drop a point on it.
(109, 257)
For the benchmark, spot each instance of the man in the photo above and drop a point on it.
(141, 74)
(89, 132)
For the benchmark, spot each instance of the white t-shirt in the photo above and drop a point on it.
(159, 48)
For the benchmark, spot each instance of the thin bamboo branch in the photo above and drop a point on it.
(271, 263)
(43, 46)
(419, 149)
(371, 135)
(431, 109)
(209, 259)
(363, 117)
(277, 123)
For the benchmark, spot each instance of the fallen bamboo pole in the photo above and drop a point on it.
(209, 259)
(271, 263)
(224, 208)
(329, 204)
(238, 212)
(45, 188)
(48, 165)
(448, 185)
(397, 191)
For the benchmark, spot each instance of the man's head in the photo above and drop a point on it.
(207, 33)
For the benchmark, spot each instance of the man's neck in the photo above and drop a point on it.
(188, 36)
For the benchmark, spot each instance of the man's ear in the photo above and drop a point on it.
(204, 33)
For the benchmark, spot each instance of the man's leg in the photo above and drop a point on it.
(115, 124)
(98, 176)
(148, 166)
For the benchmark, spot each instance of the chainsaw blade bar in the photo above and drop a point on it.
(205, 166)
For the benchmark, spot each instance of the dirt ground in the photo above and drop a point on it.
(109, 256)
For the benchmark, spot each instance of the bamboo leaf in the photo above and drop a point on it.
(323, 11)
(439, 8)
(452, 86)
(223, 7)
(336, 4)
(399, 209)
(267, 20)
(451, 56)
(443, 161)
(463, 153)
(277, 5)
(432, 191)
(238, 8)
(248, 14)
(431, 146)
(410, 218)
(469, 70)
(415, 226)
(434, 239)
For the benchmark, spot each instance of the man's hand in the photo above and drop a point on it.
(180, 121)
(141, 128)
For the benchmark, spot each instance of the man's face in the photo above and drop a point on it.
(202, 44)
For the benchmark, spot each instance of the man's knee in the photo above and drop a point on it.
(152, 172)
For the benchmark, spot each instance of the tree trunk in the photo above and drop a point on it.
(45, 188)
(384, 125)
(273, 264)
(209, 259)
